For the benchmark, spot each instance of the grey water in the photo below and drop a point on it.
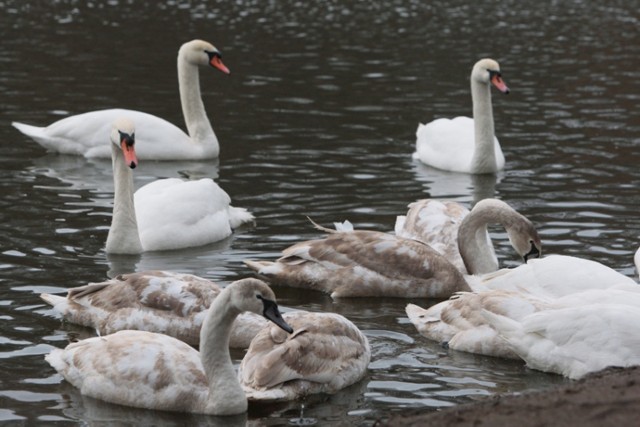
(318, 119)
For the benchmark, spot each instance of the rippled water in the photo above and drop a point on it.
(317, 118)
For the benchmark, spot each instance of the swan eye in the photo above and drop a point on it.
(128, 139)
(213, 54)
(493, 73)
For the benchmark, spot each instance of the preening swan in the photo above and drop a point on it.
(541, 284)
(458, 322)
(168, 213)
(173, 304)
(326, 353)
(574, 341)
(462, 236)
(154, 371)
(464, 144)
(83, 134)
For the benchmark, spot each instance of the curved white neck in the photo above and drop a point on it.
(484, 156)
(123, 237)
(225, 393)
(195, 116)
(474, 242)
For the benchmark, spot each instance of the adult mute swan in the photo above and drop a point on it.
(83, 134)
(155, 371)
(326, 353)
(464, 144)
(363, 263)
(462, 236)
(173, 304)
(574, 341)
(168, 213)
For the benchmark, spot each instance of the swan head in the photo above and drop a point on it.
(200, 52)
(488, 71)
(524, 238)
(123, 137)
(256, 296)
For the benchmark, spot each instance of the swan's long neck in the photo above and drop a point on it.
(474, 242)
(195, 116)
(225, 393)
(123, 237)
(484, 156)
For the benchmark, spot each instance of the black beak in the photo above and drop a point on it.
(533, 253)
(272, 313)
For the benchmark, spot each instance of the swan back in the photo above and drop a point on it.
(436, 224)
(174, 304)
(574, 341)
(363, 263)
(325, 354)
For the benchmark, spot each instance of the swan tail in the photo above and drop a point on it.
(418, 315)
(34, 132)
(265, 269)
(59, 304)
(239, 216)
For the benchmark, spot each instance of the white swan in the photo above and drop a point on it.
(541, 284)
(173, 304)
(154, 371)
(462, 236)
(168, 213)
(158, 139)
(464, 144)
(574, 341)
(326, 353)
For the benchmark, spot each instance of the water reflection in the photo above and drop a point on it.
(441, 184)
(317, 119)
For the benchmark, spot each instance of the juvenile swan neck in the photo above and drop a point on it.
(474, 242)
(484, 156)
(195, 116)
(123, 237)
(225, 394)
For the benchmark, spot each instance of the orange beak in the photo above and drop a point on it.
(497, 81)
(129, 154)
(217, 62)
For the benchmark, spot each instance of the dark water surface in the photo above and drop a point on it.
(317, 118)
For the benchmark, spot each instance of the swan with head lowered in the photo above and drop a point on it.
(154, 371)
(461, 235)
(548, 283)
(576, 340)
(83, 134)
(167, 213)
(466, 144)
(364, 263)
